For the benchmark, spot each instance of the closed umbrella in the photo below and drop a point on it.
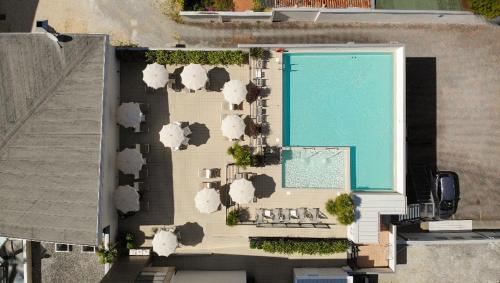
(233, 127)
(194, 76)
(207, 200)
(164, 243)
(172, 135)
(129, 115)
(242, 191)
(130, 161)
(155, 75)
(234, 91)
(126, 199)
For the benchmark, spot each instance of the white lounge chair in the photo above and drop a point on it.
(268, 214)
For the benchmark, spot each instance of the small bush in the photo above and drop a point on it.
(107, 255)
(258, 6)
(242, 155)
(330, 206)
(223, 5)
(257, 52)
(343, 207)
(488, 8)
(301, 246)
(184, 57)
(233, 217)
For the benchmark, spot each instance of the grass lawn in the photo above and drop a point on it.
(453, 5)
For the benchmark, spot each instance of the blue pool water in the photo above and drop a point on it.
(313, 168)
(342, 99)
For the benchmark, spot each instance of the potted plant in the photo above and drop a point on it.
(343, 208)
(107, 255)
(130, 241)
(242, 155)
(233, 217)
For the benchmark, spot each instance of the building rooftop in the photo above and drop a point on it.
(50, 136)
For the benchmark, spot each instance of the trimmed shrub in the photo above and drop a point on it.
(330, 206)
(343, 207)
(488, 8)
(130, 241)
(258, 6)
(301, 246)
(184, 57)
(233, 217)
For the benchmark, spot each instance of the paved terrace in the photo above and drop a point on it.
(174, 181)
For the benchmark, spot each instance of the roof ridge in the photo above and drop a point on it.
(48, 92)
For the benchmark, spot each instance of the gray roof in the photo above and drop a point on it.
(50, 135)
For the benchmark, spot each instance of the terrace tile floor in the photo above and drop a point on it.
(174, 181)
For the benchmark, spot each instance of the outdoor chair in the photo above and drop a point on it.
(187, 131)
(268, 214)
(302, 214)
(277, 215)
(144, 148)
(209, 173)
(261, 141)
(285, 213)
(294, 214)
(313, 212)
(239, 175)
(259, 218)
(262, 102)
(208, 185)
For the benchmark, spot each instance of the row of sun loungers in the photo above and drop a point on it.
(288, 215)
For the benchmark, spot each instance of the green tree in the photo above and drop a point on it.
(488, 8)
(343, 207)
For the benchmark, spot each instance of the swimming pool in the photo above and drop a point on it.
(313, 167)
(342, 99)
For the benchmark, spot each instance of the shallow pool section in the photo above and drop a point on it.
(344, 100)
(313, 168)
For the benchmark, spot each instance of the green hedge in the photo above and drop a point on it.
(183, 57)
(489, 8)
(233, 217)
(301, 246)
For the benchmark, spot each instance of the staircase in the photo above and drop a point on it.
(418, 211)
(322, 3)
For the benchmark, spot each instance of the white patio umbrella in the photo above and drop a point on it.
(164, 243)
(155, 75)
(130, 161)
(129, 115)
(194, 76)
(172, 135)
(207, 200)
(234, 91)
(126, 199)
(233, 127)
(242, 191)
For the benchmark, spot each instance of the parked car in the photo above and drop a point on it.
(445, 193)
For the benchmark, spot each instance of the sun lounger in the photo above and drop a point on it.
(277, 215)
(208, 185)
(285, 213)
(313, 213)
(302, 214)
(294, 214)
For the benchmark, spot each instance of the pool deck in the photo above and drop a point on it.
(174, 180)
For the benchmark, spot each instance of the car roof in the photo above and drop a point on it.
(447, 187)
